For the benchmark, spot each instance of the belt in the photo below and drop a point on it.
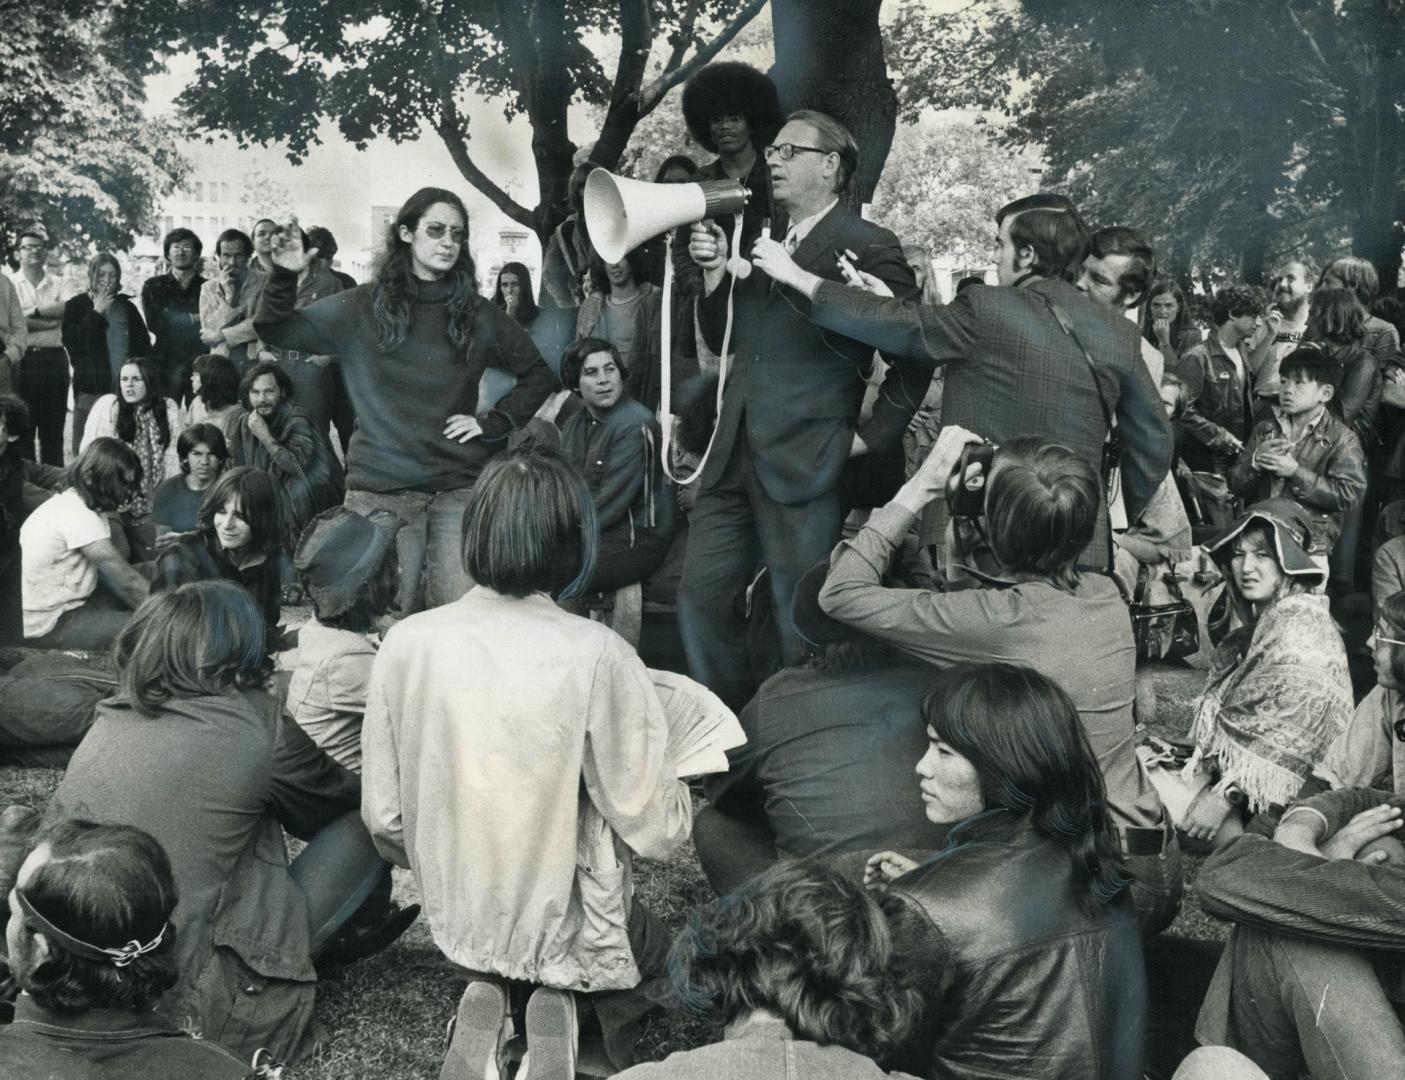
(293, 354)
(1137, 840)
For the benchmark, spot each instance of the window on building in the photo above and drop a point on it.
(199, 191)
(224, 191)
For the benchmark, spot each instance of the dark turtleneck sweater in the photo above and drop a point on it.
(404, 396)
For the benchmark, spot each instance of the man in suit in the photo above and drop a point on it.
(1019, 358)
(769, 492)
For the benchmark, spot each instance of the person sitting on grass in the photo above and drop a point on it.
(175, 504)
(529, 880)
(214, 382)
(193, 749)
(92, 951)
(1019, 931)
(239, 537)
(1304, 452)
(349, 570)
(1277, 693)
(1028, 530)
(1371, 751)
(801, 968)
(614, 443)
(1309, 981)
(143, 420)
(78, 590)
(24, 484)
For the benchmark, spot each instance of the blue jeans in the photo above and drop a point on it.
(337, 871)
(429, 543)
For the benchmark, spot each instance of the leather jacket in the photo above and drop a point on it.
(1018, 979)
(1217, 406)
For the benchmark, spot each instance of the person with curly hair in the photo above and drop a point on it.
(801, 968)
(1019, 930)
(413, 346)
(92, 947)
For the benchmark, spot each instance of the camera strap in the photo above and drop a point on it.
(1112, 447)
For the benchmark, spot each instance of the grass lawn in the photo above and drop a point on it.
(385, 1017)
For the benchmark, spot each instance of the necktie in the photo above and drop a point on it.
(792, 241)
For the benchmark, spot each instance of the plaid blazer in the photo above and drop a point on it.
(1011, 371)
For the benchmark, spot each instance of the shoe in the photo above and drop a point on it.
(551, 1036)
(357, 943)
(478, 1035)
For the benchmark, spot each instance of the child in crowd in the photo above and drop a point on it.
(1303, 451)
(347, 565)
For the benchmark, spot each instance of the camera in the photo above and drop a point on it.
(965, 493)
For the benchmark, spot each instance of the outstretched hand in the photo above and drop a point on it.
(288, 251)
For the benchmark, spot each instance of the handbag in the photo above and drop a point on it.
(1163, 631)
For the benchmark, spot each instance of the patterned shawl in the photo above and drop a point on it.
(1276, 698)
(147, 443)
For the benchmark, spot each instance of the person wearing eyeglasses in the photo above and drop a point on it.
(770, 491)
(171, 303)
(413, 345)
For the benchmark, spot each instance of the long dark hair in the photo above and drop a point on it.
(1023, 736)
(127, 412)
(1180, 325)
(105, 885)
(526, 302)
(259, 505)
(396, 286)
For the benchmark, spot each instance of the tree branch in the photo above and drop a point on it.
(636, 38)
(685, 35)
(652, 94)
(450, 126)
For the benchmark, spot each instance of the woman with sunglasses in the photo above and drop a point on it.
(413, 345)
(1371, 752)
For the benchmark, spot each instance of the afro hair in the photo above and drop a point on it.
(732, 89)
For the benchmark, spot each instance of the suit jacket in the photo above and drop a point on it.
(797, 387)
(1011, 371)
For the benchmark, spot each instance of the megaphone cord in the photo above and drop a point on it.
(666, 353)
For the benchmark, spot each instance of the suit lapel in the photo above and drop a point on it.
(815, 251)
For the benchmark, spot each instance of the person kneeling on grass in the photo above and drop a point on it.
(92, 951)
(78, 590)
(515, 757)
(801, 968)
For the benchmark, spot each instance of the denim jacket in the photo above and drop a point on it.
(1331, 476)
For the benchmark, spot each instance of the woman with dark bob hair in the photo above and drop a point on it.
(238, 537)
(194, 750)
(413, 346)
(1024, 912)
(800, 966)
(504, 683)
(92, 948)
(214, 381)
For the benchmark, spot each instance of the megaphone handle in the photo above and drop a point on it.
(666, 350)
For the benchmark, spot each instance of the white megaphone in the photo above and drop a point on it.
(621, 213)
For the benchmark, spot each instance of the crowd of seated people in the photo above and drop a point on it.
(943, 849)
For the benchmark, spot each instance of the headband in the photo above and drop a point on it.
(119, 957)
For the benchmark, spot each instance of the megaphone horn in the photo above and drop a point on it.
(621, 213)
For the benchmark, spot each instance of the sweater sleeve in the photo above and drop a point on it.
(513, 350)
(313, 329)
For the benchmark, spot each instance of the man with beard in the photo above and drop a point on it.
(171, 304)
(1287, 320)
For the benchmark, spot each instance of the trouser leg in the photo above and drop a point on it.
(43, 384)
(1158, 883)
(732, 850)
(82, 407)
(410, 542)
(721, 557)
(1295, 1003)
(337, 871)
(445, 577)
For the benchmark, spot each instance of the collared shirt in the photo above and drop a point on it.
(48, 291)
(113, 1044)
(801, 229)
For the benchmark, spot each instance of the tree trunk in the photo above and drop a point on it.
(829, 57)
(548, 99)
